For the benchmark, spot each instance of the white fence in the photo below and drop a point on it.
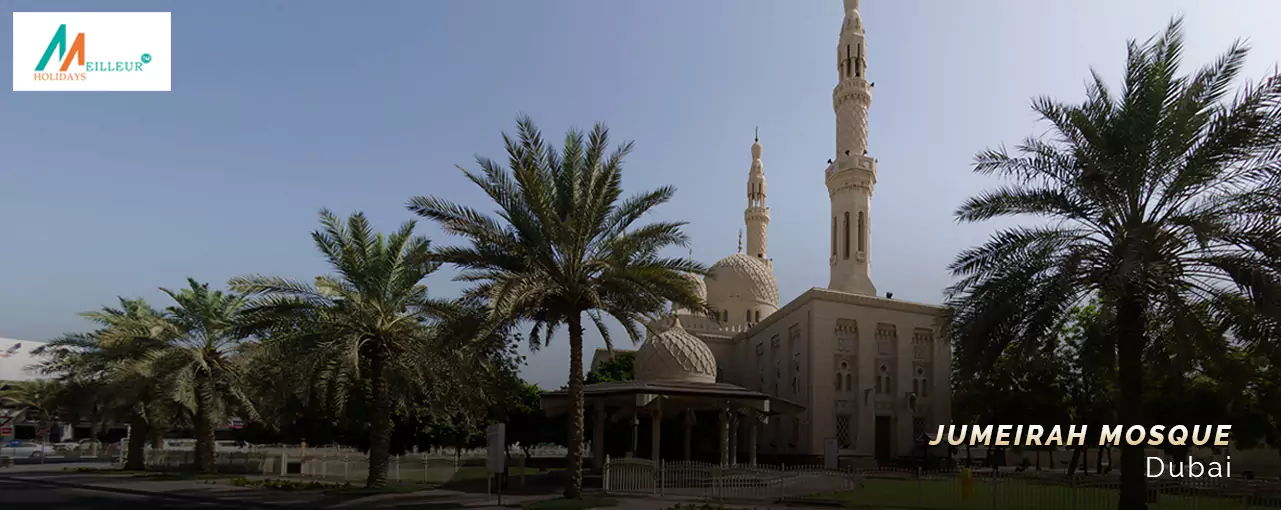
(913, 489)
(337, 449)
(330, 465)
(702, 480)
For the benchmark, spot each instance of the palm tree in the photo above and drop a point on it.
(563, 245)
(110, 360)
(1162, 203)
(198, 361)
(366, 324)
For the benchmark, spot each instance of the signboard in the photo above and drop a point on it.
(831, 453)
(236, 423)
(6, 430)
(496, 442)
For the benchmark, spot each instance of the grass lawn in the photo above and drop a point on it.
(1009, 494)
(390, 488)
(571, 504)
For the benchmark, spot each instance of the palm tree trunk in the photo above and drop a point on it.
(380, 425)
(135, 459)
(155, 435)
(574, 487)
(93, 436)
(204, 425)
(1131, 338)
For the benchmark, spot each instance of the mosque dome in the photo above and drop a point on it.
(700, 288)
(741, 277)
(675, 355)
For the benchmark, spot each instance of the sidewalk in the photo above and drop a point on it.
(249, 497)
(220, 491)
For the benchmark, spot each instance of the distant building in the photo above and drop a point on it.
(15, 357)
(602, 355)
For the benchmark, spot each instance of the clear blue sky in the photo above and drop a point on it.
(281, 108)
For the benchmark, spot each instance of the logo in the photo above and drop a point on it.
(59, 43)
(91, 51)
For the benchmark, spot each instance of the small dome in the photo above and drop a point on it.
(742, 277)
(675, 355)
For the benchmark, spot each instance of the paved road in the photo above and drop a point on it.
(27, 496)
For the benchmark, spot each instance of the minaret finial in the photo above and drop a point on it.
(740, 240)
(758, 134)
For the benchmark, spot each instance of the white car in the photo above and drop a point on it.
(81, 445)
(231, 446)
(24, 449)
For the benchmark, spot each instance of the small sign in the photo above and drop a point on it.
(42, 432)
(6, 431)
(831, 453)
(496, 441)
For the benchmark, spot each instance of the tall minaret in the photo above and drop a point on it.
(757, 215)
(852, 174)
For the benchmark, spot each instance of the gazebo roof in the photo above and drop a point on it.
(683, 394)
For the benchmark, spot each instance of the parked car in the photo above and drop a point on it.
(83, 445)
(180, 444)
(232, 446)
(24, 449)
(66, 445)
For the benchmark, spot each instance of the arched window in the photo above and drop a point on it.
(838, 381)
(849, 382)
(862, 239)
(858, 61)
(749, 316)
(833, 236)
(847, 61)
(847, 234)
(758, 316)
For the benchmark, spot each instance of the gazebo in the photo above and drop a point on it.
(675, 375)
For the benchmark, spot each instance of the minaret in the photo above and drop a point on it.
(757, 215)
(852, 174)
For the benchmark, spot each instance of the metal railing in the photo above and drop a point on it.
(920, 489)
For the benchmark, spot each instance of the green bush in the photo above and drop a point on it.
(285, 485)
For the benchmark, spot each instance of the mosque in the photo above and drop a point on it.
(837, 372)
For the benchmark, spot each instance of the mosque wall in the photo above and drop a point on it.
(872, 372)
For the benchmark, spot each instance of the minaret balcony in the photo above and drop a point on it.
(854, 89)
(850, 172)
